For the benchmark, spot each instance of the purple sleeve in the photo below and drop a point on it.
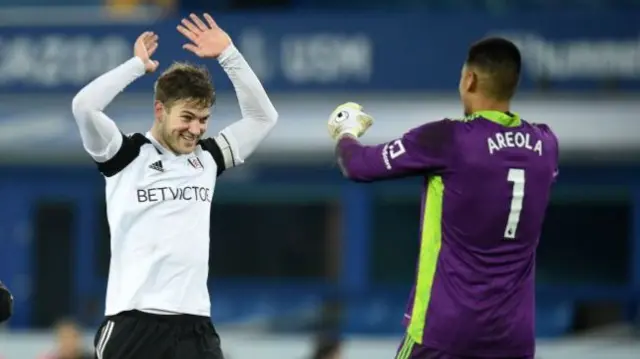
(422, 149)
(546, 130)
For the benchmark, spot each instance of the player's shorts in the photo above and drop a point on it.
(138, 335)
(409, 349)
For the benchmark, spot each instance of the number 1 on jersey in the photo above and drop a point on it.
(517, 177)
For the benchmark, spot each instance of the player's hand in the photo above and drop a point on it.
(145, 46)
(349, 118)
(207, 40)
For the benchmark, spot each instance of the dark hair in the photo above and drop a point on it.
(498, 60)
(183, 81)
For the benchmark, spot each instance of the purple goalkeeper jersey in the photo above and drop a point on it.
(487, 182)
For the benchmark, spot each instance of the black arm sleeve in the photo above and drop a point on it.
(128, 152)
(210, 145)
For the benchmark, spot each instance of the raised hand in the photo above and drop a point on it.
(144, 47)
(348, 118)
(207, 40)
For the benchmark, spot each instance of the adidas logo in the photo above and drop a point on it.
(157, 166)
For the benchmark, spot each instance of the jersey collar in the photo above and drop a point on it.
(506, 119)
(160, 148)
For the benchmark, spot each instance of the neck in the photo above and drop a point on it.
(157, 135)
(491, 105)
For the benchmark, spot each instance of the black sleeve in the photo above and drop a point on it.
(6, 303)
(210, 145)
(128, 152)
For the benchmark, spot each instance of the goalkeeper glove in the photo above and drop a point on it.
(348, 118)
(6, 303)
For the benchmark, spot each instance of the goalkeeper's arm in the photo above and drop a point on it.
(422, 150)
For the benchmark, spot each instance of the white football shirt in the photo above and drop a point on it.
(158, 203)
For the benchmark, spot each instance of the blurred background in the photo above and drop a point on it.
(301, 260)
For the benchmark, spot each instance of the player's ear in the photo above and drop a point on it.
(159, 110)
(471, 81)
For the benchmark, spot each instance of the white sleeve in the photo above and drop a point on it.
(240, 139)
(100, 136)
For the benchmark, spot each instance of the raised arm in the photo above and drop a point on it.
(240, 139)
(424, 149)
(258, 114)
(100, 136)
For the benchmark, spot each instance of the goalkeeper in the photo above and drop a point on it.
(487, 183)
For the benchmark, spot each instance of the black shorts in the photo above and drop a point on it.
(138, 335)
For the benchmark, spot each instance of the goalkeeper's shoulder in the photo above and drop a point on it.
(545, 131)
(444, 128)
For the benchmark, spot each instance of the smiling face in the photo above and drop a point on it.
(182, 125)
(184, 95)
